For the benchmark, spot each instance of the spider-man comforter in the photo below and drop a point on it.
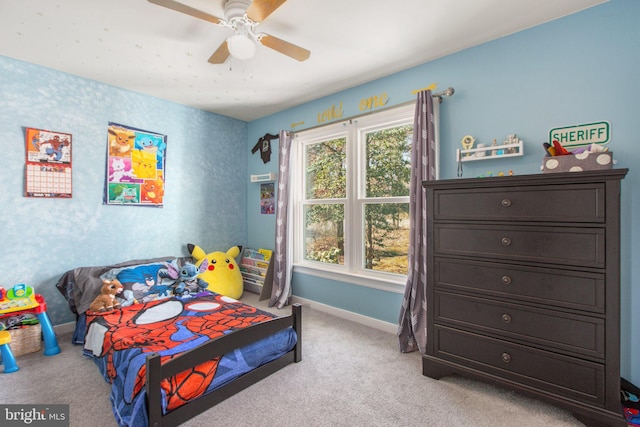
(120, 341)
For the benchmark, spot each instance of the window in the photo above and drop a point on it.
(351, 198)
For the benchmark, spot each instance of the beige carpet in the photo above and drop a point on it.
(350, 375)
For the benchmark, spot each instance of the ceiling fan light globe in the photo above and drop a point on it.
(241, 47)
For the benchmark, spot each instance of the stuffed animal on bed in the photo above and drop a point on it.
(186, 277)
(107, 301)
(222, 273)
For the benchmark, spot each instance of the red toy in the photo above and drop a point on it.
(22, 298)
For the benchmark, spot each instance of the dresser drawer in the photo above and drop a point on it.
(566, 376)
(567, 332)
(557, 203)
(556, 288)
(556, 245)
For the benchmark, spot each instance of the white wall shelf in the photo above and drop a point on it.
(265, 177)
(485, 153)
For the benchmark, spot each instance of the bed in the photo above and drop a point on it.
(169, 358)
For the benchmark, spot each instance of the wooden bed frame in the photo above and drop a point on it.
(156, 372)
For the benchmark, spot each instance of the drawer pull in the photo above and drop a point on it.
(506, 318)
(506, 241)
(506, 357)
(506, 203)
(506, 280)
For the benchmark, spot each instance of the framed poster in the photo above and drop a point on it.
(135, 166)
(267, 199)
(48, 164)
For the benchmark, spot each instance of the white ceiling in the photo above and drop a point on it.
(146, 48)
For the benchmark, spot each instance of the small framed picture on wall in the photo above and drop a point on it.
(267, 199)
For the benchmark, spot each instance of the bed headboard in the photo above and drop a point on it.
(81, 285)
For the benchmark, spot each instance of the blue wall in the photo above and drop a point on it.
(205, 200)
(578, 69)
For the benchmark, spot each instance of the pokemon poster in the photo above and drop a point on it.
(135, 166)
(48, 165)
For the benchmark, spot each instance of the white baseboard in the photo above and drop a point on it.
(64, 328)
(348, 315)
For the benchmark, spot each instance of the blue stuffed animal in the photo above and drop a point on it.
(187, 281)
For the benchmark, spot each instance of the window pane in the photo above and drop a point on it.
(388, 162)
(326, 169)
(324, 233)
(386, 235)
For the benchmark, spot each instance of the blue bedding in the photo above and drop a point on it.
(119, 342)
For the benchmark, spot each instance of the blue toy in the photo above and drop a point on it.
(186, 278)
(21, 298)
(8, 360)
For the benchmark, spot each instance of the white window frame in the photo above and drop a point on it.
(354, 131)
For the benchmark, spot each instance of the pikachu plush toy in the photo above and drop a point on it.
(222, 272)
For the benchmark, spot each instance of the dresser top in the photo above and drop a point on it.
(533, 179)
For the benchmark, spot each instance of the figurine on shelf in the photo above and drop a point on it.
(512, 139)
(467, 143)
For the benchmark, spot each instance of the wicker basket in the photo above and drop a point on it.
(26, 340)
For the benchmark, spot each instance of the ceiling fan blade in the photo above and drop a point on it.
(220, 55)
(296, 52)
(260, 9)
(174, 5)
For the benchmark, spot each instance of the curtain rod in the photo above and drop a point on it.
(447, 92)
(350, 119)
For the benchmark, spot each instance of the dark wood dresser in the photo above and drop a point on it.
(523, 287)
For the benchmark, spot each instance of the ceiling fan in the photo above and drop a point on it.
(242, 16)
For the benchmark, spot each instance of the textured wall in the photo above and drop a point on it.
(205, 195)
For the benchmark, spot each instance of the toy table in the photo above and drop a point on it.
(35, 304)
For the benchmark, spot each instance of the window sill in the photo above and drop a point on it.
(391, 284)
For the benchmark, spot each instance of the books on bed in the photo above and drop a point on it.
(255, 267)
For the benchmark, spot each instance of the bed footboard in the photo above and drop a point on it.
(156, 372)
